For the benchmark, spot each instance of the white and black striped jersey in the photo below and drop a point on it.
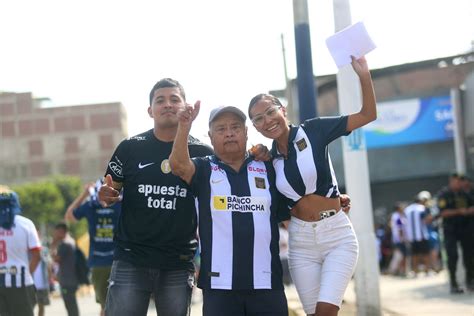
(15, 244)
(417, 229)
(308, 169)
(238, 216)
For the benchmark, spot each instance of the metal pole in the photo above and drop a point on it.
(358, 183)
(304, 64)
(291, 108)
(458, 132)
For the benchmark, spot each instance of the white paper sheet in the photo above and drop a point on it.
(353, 40)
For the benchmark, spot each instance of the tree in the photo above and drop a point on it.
(45, 202)
(69, 186)
(41, 202)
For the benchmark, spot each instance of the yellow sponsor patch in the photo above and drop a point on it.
(233, 203)
(220, 203)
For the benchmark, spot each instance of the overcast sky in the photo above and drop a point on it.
(223, 52)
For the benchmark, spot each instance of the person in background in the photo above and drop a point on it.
(62, 252)
(398, 222)
(468, 188)
(418, 218)
(284, 254)
(41, 278)
(19, 256)
(101, 222)
(383, 234)
(455, 210)
(378, 245)
(433, 233)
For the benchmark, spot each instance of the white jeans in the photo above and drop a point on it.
(322, 259)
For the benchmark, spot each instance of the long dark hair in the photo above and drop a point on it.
(262, 96)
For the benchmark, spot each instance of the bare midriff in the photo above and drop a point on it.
(309, 207)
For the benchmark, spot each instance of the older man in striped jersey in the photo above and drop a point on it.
(239, 211)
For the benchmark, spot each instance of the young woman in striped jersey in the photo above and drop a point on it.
(323, 247)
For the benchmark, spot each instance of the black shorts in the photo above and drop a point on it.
(244, 302)
(402, 248)
(421, 247)
(17, 301)
(42, 297)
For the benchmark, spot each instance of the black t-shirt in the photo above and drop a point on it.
(448, 199)
(157, 225)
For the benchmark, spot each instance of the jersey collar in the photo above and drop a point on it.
(291, 137)
(215, 159)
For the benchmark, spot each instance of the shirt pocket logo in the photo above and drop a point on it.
(301, 144)
(260, 183)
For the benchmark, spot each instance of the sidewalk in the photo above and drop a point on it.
(421, 296)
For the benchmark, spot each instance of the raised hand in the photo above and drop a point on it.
(108, 195)
(188, 113)
(360, 66)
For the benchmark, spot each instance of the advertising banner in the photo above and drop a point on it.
(411, 121)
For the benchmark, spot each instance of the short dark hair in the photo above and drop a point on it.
(456, 174)
(261, 96)
(62, 226)
(167, 83)
(398, 206)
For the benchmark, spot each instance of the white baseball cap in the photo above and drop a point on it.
(423, 196)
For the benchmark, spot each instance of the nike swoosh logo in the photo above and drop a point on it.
(140, 166)
(217, 181)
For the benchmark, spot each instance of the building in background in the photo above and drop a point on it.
(410, 146)
(37, 140)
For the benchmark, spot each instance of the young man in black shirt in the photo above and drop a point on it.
(156, 234)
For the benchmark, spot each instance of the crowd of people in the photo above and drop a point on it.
(31, 271)
(418, 233)
(165, 195)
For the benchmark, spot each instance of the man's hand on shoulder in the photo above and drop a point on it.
(260, 152)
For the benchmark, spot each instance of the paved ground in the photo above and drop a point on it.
(421, 296)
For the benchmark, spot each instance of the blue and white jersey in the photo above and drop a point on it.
(308, 168)
(417, 230)
(238, 225)
(102, 223)
(398, 223)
